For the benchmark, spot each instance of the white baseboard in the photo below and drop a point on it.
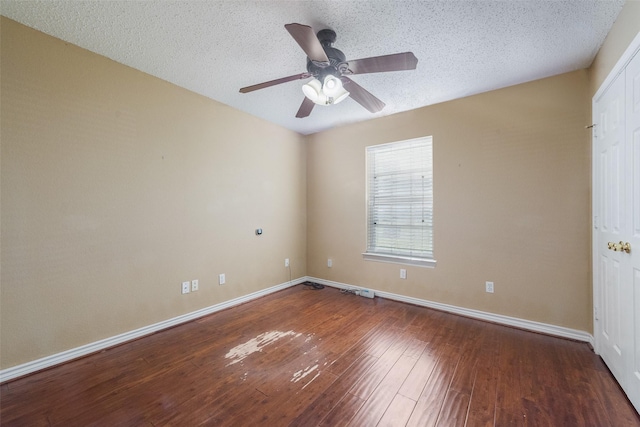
(530, 325)
(74, 353)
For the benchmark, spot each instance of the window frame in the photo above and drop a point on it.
(369, 255)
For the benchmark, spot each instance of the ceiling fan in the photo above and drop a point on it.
(329, 68)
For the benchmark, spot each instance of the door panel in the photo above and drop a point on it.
(613, 308)
(633, 208)
(609, 147)
(605, 329)
(636, 354)
(616, 210)
(636, 187)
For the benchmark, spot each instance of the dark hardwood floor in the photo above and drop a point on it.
(304, 357)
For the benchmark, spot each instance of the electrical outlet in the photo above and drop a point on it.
(221, 279)
(194, 285)
(403, 273)
(489, 287)
(185, 287)
(329, 263)
(286, 262)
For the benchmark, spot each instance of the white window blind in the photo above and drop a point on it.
(400, 202)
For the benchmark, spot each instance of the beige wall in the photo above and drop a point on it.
(624, 30)
(511, 191)
(117, 186)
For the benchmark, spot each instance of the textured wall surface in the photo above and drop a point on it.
(117, 186)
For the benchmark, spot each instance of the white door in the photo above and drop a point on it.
(633, 206)
(609, 134)
(616, 236)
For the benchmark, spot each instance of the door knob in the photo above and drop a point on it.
(622, 247)
(625, 246)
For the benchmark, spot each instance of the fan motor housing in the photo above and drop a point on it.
(337, 59)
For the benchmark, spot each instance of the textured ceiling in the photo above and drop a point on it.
(216, 47)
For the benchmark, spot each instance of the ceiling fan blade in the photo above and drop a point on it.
(305, 108)
(274, 82)
(379, 64)
(362, 96)
(308, 41)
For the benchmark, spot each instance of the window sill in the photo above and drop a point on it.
(420, 262)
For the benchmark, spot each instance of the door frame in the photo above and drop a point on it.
(618, 68)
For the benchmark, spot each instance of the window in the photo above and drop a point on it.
(400, 202)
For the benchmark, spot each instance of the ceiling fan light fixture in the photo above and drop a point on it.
(331, 85)
(341, 97)
(329, 69)
(333, 89)
(329, 93)
(313, 90)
